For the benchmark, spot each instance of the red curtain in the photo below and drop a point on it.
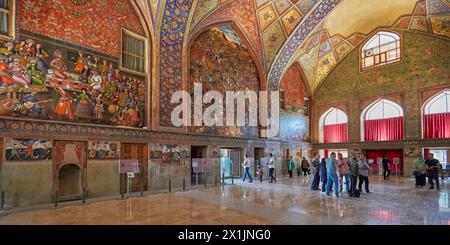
(335, 133)
(426, 153)
(327, 153)
(383, 129)
(374, 155)
(436, 126)
(391, 154)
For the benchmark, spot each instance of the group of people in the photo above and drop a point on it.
(427, 168)
(260, 171)
(334, 170)
(300, 167)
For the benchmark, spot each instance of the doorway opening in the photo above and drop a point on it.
(69, 183)
(230, 164)
(199, 173)
(259, 155)
(135, 152)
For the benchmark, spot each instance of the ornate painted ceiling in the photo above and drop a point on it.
(340, 33)
(317, 34)
(266, 23)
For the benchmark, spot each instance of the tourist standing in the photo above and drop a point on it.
(323, 174)
(291, 166)
(332, 175)
(271, 164)
(386, 170)
(433, 171)
(343, 170)
(354, 174)
(363, 174)
(305, 166)
(246, 165)
(316, 167)
(420, 171)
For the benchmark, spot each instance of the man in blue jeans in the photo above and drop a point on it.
(246, 165)
(332, 175)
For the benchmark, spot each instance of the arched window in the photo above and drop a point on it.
(333, 126)
(436, 119)
(382, 49)
(382, 121)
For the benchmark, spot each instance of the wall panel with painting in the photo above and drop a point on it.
(103, 175)
(27, 171)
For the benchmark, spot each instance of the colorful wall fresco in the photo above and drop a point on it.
(39, 79)
(174, 24)
(96, 24)
(294, 124)
(242, 13)
(28, 149)
(166, 153)
(221, 63)
(103, 150)
(422, 67)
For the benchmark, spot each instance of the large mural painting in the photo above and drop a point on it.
(60, 85)
(294, 119)
(65, 65)
(220, 61)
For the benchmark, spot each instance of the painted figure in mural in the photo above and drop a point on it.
(31, 106)
(96, 80)
(29, 48)
(5, 75)
(134, 116)
(41, 56)
(8, 51)
(20, 48)
(123, 118)
(83, 109)
(36, 74)
(64, 105)
(79, 63)
(19, 72)
(6, 104)
(98, 109)
(103, 68)
(59, 66)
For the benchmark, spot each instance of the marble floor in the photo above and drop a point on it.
(288, 201)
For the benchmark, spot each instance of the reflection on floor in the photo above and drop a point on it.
(286, 202)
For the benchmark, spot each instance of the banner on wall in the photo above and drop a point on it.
(201, 165)
(128, 166)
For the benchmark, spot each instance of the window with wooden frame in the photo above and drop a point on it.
(134, 49)
(382, 49)
(7, 18)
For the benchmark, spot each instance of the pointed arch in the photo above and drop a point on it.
(382, 120)
(436, 116)
(194, 35)
(333, 126)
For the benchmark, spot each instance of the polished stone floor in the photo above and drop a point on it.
(289, 201)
